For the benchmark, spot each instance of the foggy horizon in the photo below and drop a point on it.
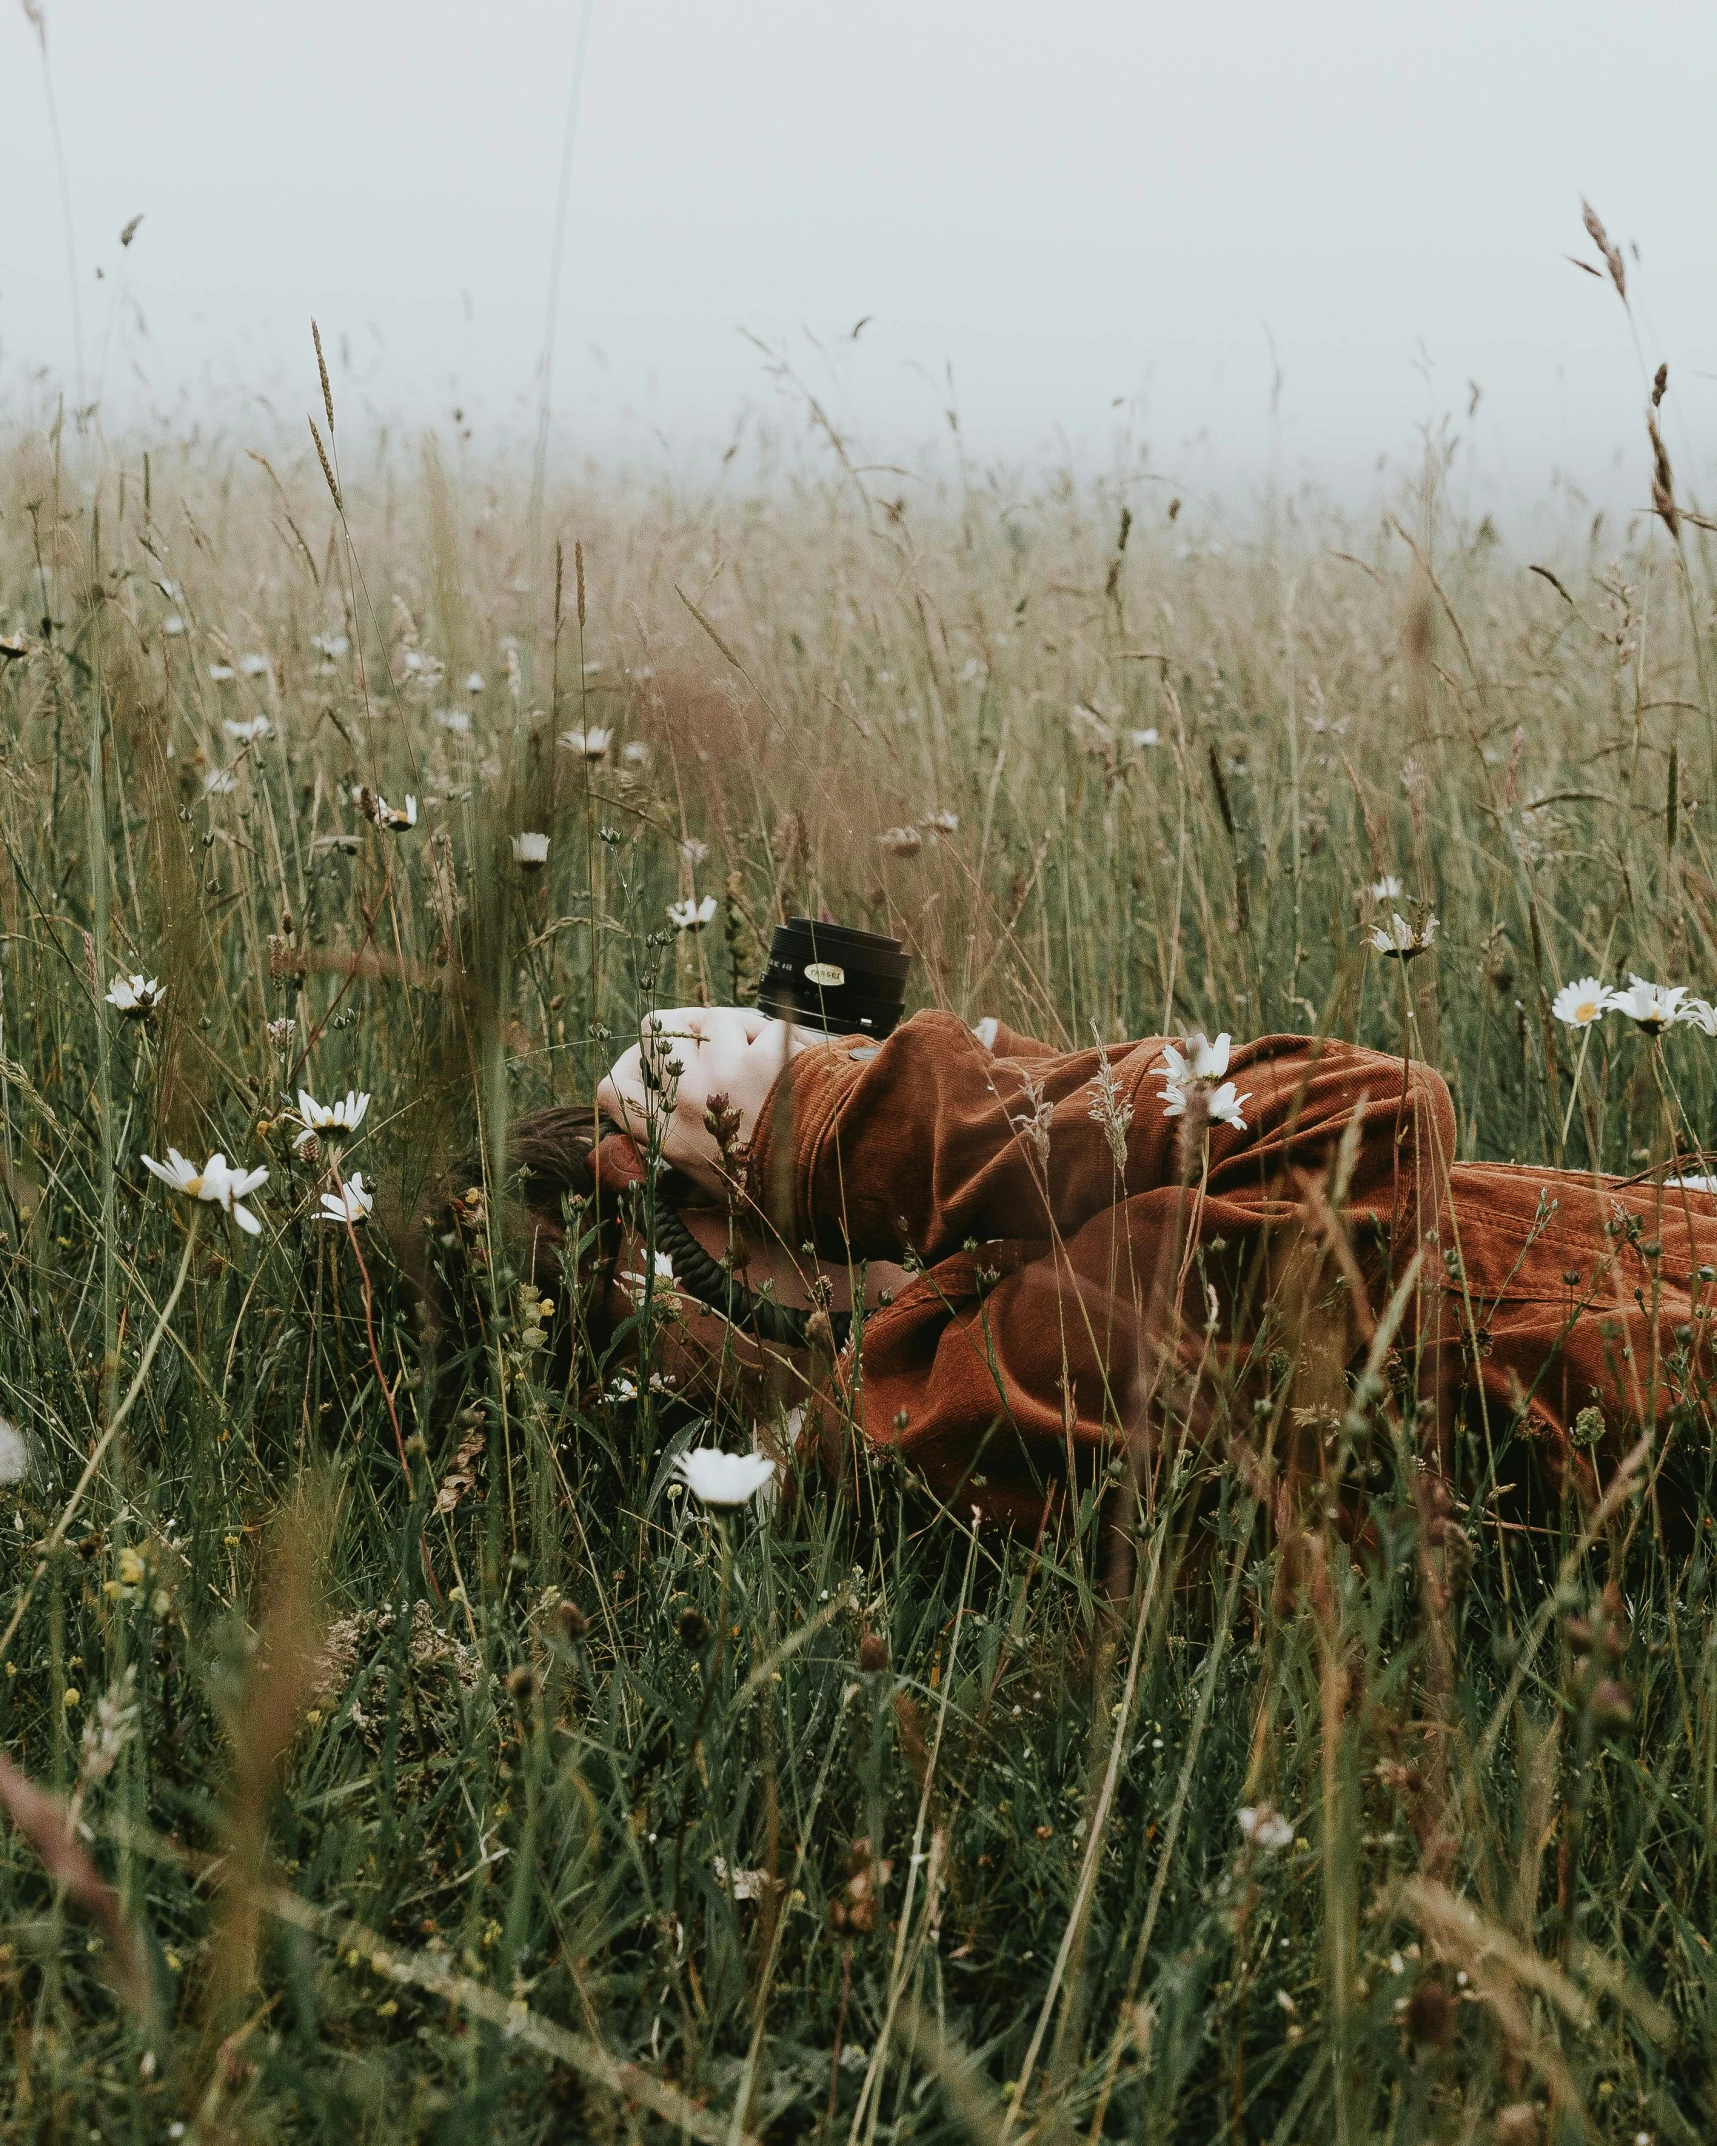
(1273, 255)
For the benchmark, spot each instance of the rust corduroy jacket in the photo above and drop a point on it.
(1083, 1284)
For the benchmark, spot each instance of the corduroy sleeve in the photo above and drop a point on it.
(929, 1139)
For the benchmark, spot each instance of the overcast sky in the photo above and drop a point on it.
(1269, 239)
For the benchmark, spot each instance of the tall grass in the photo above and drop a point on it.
(450, 1776)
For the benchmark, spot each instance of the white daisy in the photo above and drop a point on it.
(1386, 889)
(633, 1282)
(1651, 1007)
(587, 744)
(222, 673)
(350, 1204)
(215, 1183)
(724, 1480)
(1202, 1060)
(394, 818)
(691, 914)
(474, 682)
(1265, 1827)
(636, 752)
(1701, 1013)
(344, 1115)
(137, 997)
(1398, 940)
(255, 666)
(530, 851)
(247, 733)
(941, 823)
(1579, 1004)
(455, 720)
(219, 782)
(1220, 1105)
(1141, 740)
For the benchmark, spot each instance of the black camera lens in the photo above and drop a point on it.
(828, 976)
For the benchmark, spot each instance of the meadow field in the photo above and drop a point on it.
(395, 1750)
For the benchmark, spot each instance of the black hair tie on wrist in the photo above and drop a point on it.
(705, 1278)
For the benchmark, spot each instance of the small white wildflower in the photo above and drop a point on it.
(247, 733)
(636, 752)
(691, 914)
(1265, 1827)
(395, 819)
(587, 744)
(1140, 740)
(456, 720)
(255, 666)
(633, 1282)
(216, 1183)
(282, 1032)
(219, 782)
(15, 1454)
(941, 823)
(331, 645)
(1386, 889)
(1579, 1004)
(1701, 1014)
(350, 1204)
(344, 1115)
(724, 1480)
(530, 851)
(137, 997)
(173, 624)
(901, 841)
(1651, 1007)
(222, 673)
(1398, 940)
(694, 852)
(474, 682)
(1201, 1060)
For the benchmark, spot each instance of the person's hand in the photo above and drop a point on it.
(722, 1052)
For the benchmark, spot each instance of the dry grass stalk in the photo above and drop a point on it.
(47, 1824)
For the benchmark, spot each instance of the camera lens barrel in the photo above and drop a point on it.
(831, 977)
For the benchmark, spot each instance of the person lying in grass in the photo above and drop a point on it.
(1018, 1267)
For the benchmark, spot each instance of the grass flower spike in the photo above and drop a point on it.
(1578, 1005)
(216, 1183)
(1651, 1007)
(350, 1204)
(137, 997)
(724, 1480)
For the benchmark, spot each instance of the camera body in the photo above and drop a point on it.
(830, 977)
